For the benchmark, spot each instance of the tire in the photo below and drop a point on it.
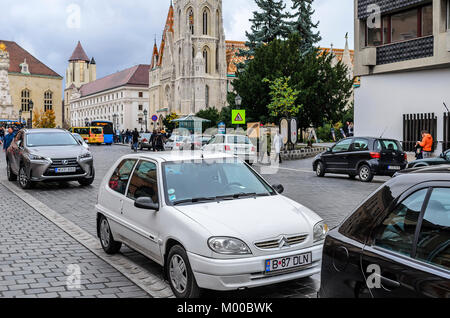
(24, 181)
(87, 181)
(365, 173)
(110, 246)
(10, 173)
(180, 275)
(320, 169)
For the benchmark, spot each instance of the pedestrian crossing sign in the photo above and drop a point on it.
(238, 117)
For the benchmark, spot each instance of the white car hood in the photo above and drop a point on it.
(252, 219)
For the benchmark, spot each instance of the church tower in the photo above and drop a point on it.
(81, 70)
(192, 69)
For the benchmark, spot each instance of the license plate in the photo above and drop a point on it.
(65, 170)
(288, 262)
(394, 168)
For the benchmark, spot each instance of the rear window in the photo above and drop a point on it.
(386, 144)
(96, 131)
(81, 131)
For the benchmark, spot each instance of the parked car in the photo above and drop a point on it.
(174, 142)
(444, 158)
(365, 157)
(396, 244)
(144, 141)
(48, 155)
(81, 141)
(210, 220)
(238, 145)
(193, 142)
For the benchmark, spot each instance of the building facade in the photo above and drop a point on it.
(189, 71)
(402, 54)
(120, 98)
(81, 70)
(23, 78)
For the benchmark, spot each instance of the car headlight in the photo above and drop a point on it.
(36, 158)
(228, 246)
(320, 231)
(85, 156)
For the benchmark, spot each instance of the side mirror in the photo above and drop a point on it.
(279, 188)
(329, 149)
(443, 156)
(146, 203)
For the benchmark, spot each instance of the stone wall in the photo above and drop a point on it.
(302, 153)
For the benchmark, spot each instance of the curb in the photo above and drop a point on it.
(144, 279)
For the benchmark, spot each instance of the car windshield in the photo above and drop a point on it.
(147, 136)
(81, 131)
(78, 137)
(216, 179)
(50, 139)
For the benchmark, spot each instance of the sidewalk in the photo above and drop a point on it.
(37, 259)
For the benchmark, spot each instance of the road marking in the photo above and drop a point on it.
(298, 170)
(140, 276)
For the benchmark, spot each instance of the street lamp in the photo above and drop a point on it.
(30, 106)
(238, 102)
(145, 115)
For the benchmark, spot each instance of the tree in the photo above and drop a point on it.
(210, 113)
(168, 121)
(268, 24)
(303, 25)
(45, 119)
(284, 98)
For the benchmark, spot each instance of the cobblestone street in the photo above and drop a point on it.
(332, 198)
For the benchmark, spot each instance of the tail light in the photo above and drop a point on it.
(145, 140)
(227, 148)
(405, 156)
(178, 144)
(375, 155)
(253, 149)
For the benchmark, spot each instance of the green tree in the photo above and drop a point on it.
(284, 98)
(303, 25)
(168, 121)
(210, 113)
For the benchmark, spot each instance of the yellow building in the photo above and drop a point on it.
(30, 79)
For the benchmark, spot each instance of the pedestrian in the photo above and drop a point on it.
(153, 140)
(9, 138)
(127, 137)
(426, 144)
(351, 129)
(278, 144)
(135, 137)
(269, 146)
(2, 134)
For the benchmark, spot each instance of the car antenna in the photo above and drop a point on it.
(446, 107)
(384, 131)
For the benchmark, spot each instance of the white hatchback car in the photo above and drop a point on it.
(210, 220)
(238, 145)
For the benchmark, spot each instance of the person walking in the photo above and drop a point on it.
(351, 129)
(426, 144)
(2, 134)
(278, 144)
(153, 140)
(135, 139)
(269, 146)
(9, 138)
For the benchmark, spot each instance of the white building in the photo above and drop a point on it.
(121, 98)
(403, 58)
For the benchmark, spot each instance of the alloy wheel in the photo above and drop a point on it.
(364, 173)
(178, 273)
(105, 233)
(23, 178)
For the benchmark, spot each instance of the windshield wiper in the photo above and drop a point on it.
(194, 200)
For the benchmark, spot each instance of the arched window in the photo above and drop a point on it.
(218, 23)
(193, 52)
(191, 20)
(25, 100)
(206, 59)
(217, 59)
(179, 23)
(205, 21)
(48, 100)
(207, 96)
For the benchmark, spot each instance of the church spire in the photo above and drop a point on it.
(79, 54)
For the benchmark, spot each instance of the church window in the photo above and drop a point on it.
(206, 59)
(218, 23)
(81, 72)
(48, 100)
(207, 96)
(191, 20)
(217, 59)
(205, 22)
(25, 100)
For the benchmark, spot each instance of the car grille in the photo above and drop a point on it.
(59, 162)
(275, 243)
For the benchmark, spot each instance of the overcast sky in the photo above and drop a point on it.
(120, 34)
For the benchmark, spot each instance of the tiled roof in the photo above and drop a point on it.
(134, 76)
(79, 54)
(17, 56)
(167, 28)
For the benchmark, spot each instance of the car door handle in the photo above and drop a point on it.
(389, 283)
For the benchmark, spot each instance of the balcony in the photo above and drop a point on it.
(406, 50)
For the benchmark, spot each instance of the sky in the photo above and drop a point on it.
(120, 34)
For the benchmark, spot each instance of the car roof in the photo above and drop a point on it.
(404, 181)
(178, 156)
(44, 130)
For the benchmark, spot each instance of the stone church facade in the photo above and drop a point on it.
(189, 70)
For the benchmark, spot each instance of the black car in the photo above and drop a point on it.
(362, 156)
(444, 158)
(396, 244)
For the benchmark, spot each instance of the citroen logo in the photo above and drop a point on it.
(283, 242)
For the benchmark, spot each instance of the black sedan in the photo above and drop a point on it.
(362, 156)
(396, 244)
(444, 158)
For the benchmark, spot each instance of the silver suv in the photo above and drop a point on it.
(48, 155)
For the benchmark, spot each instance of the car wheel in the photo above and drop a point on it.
(320, 169)
(179, 272)
(24, 180)
(106, 238)
(365, 173)
(10, 173)
(87, 181)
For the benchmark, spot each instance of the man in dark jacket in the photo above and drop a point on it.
(9, 138)
(135, 136)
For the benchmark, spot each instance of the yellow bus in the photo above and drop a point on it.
(92, 135)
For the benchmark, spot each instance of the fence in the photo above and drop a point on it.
(446, 141)
(414, 124)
